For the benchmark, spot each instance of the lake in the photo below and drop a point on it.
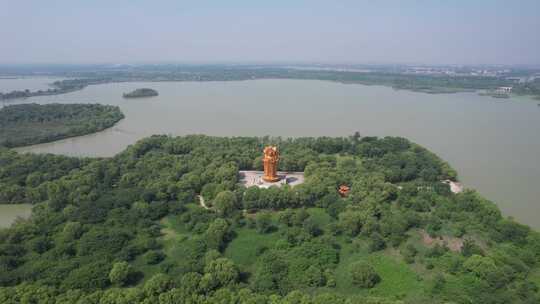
(493, 144)
(9, 84)
(10, 212)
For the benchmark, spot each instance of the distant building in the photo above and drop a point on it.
(504, 90)
(344, 190)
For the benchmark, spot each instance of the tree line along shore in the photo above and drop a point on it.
(431, 84)
(28, 124)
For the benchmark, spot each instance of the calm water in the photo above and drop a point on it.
(8, 213)
(23, 83)
(493, 144)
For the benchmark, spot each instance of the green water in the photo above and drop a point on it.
(493, 144)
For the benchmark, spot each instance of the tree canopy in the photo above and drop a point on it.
(130, 229)
(28, 124)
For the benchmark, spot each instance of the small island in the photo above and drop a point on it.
(144, 92)
(28, 124)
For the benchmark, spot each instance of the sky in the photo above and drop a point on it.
(250, 31)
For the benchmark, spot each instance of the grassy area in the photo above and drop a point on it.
(242, 250)
(147, 270)
(456, 288)
(398, 280)
(176, 245)
(173, 232)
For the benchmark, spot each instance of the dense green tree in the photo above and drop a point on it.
(470, 248)
(376, 242)
(120, 273)
(363, 275)
(222, 271)
(314, 276)
(409, 252)
(264, 222)
(251, 198)
(351, 222)
(157, 284)
(480, 266)
(225, 202)
(153, 257)
(286, 217)
(89, 277)
(311, 227)
(217, 234)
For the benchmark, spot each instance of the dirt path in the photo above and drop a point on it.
(202, 203)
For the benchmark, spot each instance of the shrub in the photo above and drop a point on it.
(408, 253)
(153, 257)
(264, 222)
(376, 243)
(363, 275)
(120, 273)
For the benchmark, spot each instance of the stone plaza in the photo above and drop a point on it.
(255, 178)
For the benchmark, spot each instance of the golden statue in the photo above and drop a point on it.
(270, 161)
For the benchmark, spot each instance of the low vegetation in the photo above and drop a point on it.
(27, 124)
(129, 229)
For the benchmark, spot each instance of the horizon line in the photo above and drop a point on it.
(268, 63)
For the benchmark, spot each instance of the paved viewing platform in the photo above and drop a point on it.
(254, 178)
(455, 187)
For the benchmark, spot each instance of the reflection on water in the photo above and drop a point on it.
(494, 145)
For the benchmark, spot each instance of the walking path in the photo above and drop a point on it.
(202, 203)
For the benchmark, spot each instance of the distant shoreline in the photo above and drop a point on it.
(429, 84)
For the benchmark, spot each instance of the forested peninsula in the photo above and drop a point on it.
(130, 229)
(28, 124)
(58, 87)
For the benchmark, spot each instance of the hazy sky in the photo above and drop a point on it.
(130, 31)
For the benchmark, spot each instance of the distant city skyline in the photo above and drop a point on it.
(348, 32)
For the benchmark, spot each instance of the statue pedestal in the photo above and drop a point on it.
(256, 178)
(271, 179)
